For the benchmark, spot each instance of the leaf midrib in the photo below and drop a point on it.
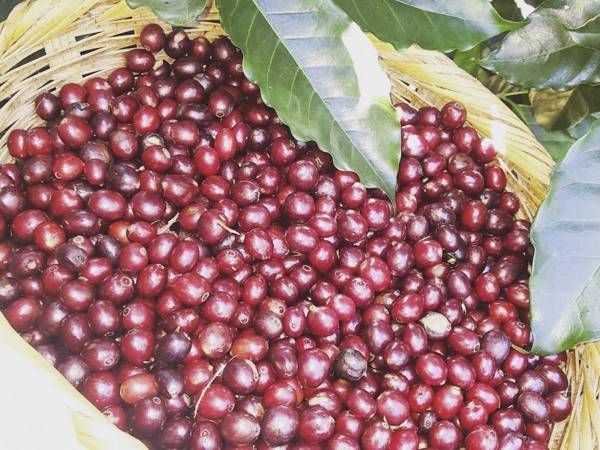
(301, 68)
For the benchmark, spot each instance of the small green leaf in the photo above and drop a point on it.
(432, 24)
(177, 12)
(534, 3)
(468, 60)
(558, 110)
(508, 9)
(557, 48)
(565, 281)
(322, 76)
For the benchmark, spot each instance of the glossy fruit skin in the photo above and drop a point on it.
(208, 281)
(101, 389)
(138, 387)
(240, 428)
(432, 369)
(176, 432)
(240, 376)
(74, 369)
(533, 406)
(137, 346)
(316, 425)
(484, 438)
(148, 416)
(279, 425)
(22, 313)
(152, 37)
(393, 406)
(559, 406)
(216, 402)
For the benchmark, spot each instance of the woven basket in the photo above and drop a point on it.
(45, 43)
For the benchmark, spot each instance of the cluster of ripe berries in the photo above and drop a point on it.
(209, 282)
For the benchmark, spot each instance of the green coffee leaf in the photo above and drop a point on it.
(559, 47)
(508, 9)
(468, 60)
(534, 3)
(177, 12)
(432, 24)
(565, 280)
(322, 76)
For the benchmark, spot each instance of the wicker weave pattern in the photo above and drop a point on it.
(47, 43)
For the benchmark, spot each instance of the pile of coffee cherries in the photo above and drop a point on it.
(209, 282)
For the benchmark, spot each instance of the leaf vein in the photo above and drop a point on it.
(250, 28)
